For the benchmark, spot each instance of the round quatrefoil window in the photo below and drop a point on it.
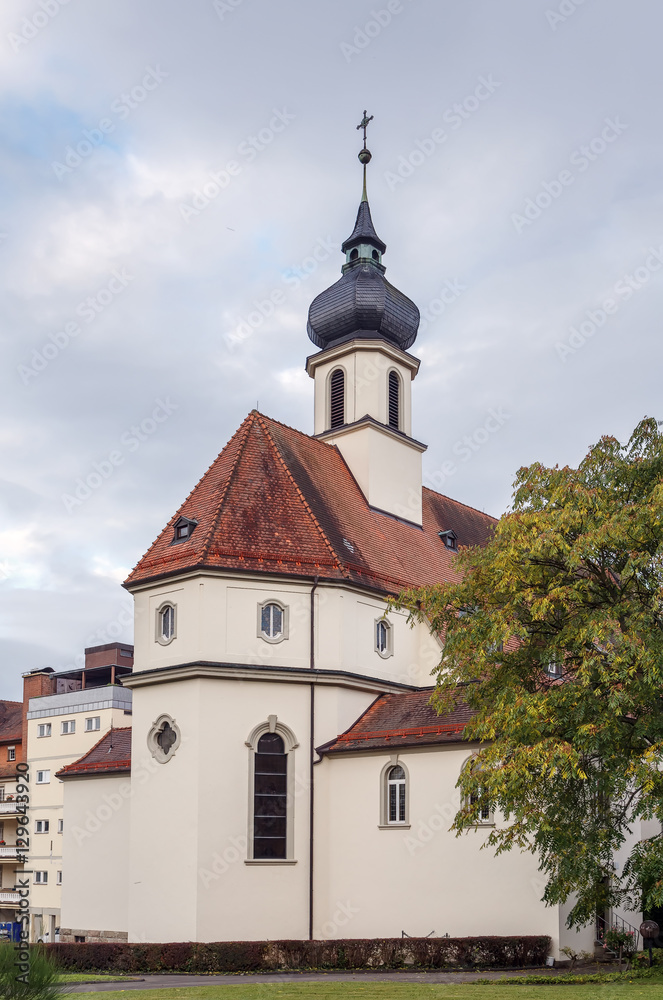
(164, 739)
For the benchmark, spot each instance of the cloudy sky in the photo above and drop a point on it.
(169, 166)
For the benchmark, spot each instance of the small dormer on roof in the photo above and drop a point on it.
(450, 539)
(183, 529)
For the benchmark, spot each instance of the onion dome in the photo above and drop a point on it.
(363, 305)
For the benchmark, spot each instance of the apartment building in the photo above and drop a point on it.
(65, 715)
(11, 867)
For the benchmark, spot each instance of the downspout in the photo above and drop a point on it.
(311, 756)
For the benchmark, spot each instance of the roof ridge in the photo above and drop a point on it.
(339, 564)
(188, 497)
(246, 424)
(460, 503)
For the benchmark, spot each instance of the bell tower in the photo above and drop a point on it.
(363, 374)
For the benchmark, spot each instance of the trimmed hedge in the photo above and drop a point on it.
(271, 956)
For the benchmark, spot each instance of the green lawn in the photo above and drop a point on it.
(639, 989)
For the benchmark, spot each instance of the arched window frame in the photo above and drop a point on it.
(153, 742)
(384, 823)
(290, 743)
(394, 373)
(489, 818)
(389, 648)
(285, 624)
(337, 368)
(158, 623)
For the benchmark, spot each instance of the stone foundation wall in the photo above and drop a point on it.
(69, 935)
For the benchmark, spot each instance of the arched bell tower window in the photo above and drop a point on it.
(394, 400)
(337, 398)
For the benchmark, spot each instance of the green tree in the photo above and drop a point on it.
(555, 635)
(42, 982)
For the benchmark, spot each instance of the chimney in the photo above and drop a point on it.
(35, 684)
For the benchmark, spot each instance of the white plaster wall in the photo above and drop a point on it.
(387, 469)
(95, 856)
(217, 621)
(372, 882)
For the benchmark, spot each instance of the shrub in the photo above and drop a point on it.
(270, 956)
(44, 982)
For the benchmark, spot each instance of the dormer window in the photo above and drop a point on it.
(183, 529)
(450, 539)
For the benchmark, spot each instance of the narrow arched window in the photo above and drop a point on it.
(396, 795)
(271, 621)
(383, 638)
(485, 813)
(270, 798)
(394, 400)
(165, 630)
(337, 398)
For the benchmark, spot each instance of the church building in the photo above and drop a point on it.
(284, 775)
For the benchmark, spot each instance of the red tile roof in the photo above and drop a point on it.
(11, 721)
(394, 721)
(111, 755)
(282, 502)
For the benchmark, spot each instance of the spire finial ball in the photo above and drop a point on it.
(365, 156)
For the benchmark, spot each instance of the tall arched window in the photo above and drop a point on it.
(165, 623)
(270, 798)
(396, 795)
(337, 398)
(394, 400)
(485, 812)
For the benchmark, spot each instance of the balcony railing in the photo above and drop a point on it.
(9, 853)
(8, 808)
(9, 898)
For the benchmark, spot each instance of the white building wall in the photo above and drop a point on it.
(217, 622)
(374, 882)
(95, 854)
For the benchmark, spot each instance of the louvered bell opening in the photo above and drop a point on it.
(337, 401)
(394, 400)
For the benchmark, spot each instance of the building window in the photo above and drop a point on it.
(93, 725)
(165, 623)
(58, 878)
(43, 777)
(485, 813)
(272, 621)
(79, 939)
(270, 802)
(384, 638)
(67, 728)
(42, 825)
(337, 398)
(394, 400)
(41, 878)
(2, 793)
(450, 539)
(44, 730)
(164, 738)
(183, 528)
(394, 783)
(554, 666)
(396, 795)
(11, 753)
(60, 826)
(272, 792)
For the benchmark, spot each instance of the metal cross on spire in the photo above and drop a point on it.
(364, 123)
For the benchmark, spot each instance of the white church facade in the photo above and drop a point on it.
(284, 775)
